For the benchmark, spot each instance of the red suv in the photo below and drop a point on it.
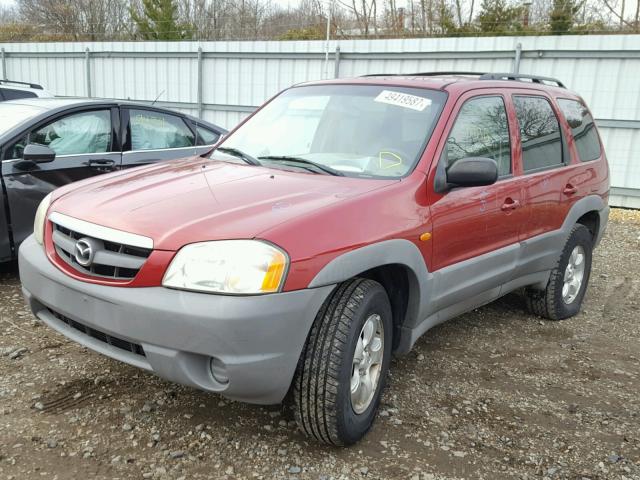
(332, 228)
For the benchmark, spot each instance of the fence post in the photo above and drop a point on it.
(4, 64)
(87, 64)
(199, 87)
(516, 59)
(336, 71)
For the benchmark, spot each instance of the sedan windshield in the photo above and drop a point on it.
(12, 114)
(354, 130)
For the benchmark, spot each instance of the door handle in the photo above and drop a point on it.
(569, 189)
(510, 204)
(101, 163)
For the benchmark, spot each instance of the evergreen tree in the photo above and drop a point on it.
(498, 17)
(159, 21)
(562, 16)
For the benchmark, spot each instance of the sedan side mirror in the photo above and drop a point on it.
(472, 172)
(38, 153)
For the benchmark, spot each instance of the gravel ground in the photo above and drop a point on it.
(496, 393)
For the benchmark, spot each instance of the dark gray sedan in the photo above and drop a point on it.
(46, 143)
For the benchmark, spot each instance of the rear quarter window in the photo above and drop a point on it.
(583, 129)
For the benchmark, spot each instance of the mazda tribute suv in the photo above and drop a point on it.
(328, 231)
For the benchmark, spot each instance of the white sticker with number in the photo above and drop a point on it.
(404, 100)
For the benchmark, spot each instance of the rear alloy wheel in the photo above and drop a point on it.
(562, 298)
(342, 369)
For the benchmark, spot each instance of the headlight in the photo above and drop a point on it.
(41, 217)
(228, 266)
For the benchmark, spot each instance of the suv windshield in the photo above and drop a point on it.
(356, 130)
(12, 114)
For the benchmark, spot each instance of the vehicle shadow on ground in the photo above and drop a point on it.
(9, 271)
(197, 407)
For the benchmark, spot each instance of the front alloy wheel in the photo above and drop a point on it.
(367, 363)
(341, 372)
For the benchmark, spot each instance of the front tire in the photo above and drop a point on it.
(562, 298)
(342, 369)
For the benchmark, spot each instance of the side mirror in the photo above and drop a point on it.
(472, 172)
(38, 154)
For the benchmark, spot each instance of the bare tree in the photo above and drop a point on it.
(77, 19)
(365, 13)
(618, 10)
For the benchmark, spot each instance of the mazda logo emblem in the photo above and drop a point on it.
(84, 252)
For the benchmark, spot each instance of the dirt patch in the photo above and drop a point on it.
(494, 394)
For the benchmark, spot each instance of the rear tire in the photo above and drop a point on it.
(562, 298)
(333, 358)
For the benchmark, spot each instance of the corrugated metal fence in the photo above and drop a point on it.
(224, 81)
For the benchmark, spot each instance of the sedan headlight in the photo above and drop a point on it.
(238, 267)
(41, 217)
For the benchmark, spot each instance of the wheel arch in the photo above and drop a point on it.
(592, 212)
(396, 264)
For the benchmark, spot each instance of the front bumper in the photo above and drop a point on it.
(258, 339)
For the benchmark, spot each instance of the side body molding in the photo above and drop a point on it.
(435, 297)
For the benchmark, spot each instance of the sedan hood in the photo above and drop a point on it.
(196, 199)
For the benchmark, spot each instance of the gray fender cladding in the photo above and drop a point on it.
(388, 252)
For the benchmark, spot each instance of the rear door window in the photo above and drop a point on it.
(583, 129)
(539, 133)
(481, 130)
(78, 133)
(152, 130)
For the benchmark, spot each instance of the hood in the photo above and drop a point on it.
(193, 200)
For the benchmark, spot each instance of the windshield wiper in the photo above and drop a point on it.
(304, 161)
(240, 154)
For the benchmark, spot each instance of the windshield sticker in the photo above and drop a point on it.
(403, 100)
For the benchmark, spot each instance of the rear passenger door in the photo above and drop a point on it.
(152, 135)
(544, 157)
(585, 171)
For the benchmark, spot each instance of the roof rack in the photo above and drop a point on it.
(13, 82)
(517, 76)
(483, 76)
(422, 74)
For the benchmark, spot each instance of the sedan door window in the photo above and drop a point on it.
(152, 130)
(79, 133)
(206, 136)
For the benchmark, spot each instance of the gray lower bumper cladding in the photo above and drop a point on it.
(244, 347)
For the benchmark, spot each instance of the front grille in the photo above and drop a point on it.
(111, 260)
(101, 336)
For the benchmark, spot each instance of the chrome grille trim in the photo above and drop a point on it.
(99, 231)
(109, 259)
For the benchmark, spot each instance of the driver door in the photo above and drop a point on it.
(476, 229)
(84, 144)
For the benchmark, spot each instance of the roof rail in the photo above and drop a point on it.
(13, 82)
(518, 77)
(422, 74)
(483, 76)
